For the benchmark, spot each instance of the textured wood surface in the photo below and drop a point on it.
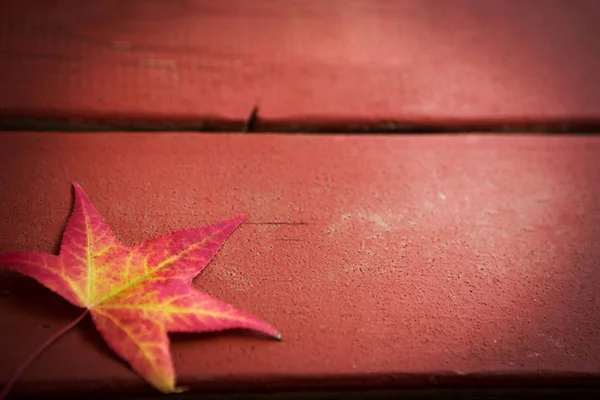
(384, 261)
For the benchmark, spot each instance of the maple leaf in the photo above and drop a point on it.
(136, 295)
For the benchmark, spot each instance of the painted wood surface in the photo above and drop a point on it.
(384, 261)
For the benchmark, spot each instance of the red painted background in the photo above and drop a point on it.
(382, 260)
(344, 60)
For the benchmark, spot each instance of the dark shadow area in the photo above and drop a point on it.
(487, 394)
(255, 125)
(27, 297)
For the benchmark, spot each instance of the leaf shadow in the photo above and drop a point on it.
(28, 297)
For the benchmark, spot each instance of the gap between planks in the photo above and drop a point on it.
(253, 124)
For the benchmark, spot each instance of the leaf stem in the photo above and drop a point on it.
(36, 353)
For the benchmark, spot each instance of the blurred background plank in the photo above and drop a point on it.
(345, 62)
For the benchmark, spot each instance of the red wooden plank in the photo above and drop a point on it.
(422, 61)
(427, 260)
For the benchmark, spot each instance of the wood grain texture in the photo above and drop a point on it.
(384, 261)
(458, 61)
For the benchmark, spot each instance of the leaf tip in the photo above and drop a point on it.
(78, 189)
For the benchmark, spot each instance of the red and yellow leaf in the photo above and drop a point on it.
(136, 295)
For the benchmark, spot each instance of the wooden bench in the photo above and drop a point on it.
(405, 262)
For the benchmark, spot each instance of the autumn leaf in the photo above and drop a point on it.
(136, 295)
